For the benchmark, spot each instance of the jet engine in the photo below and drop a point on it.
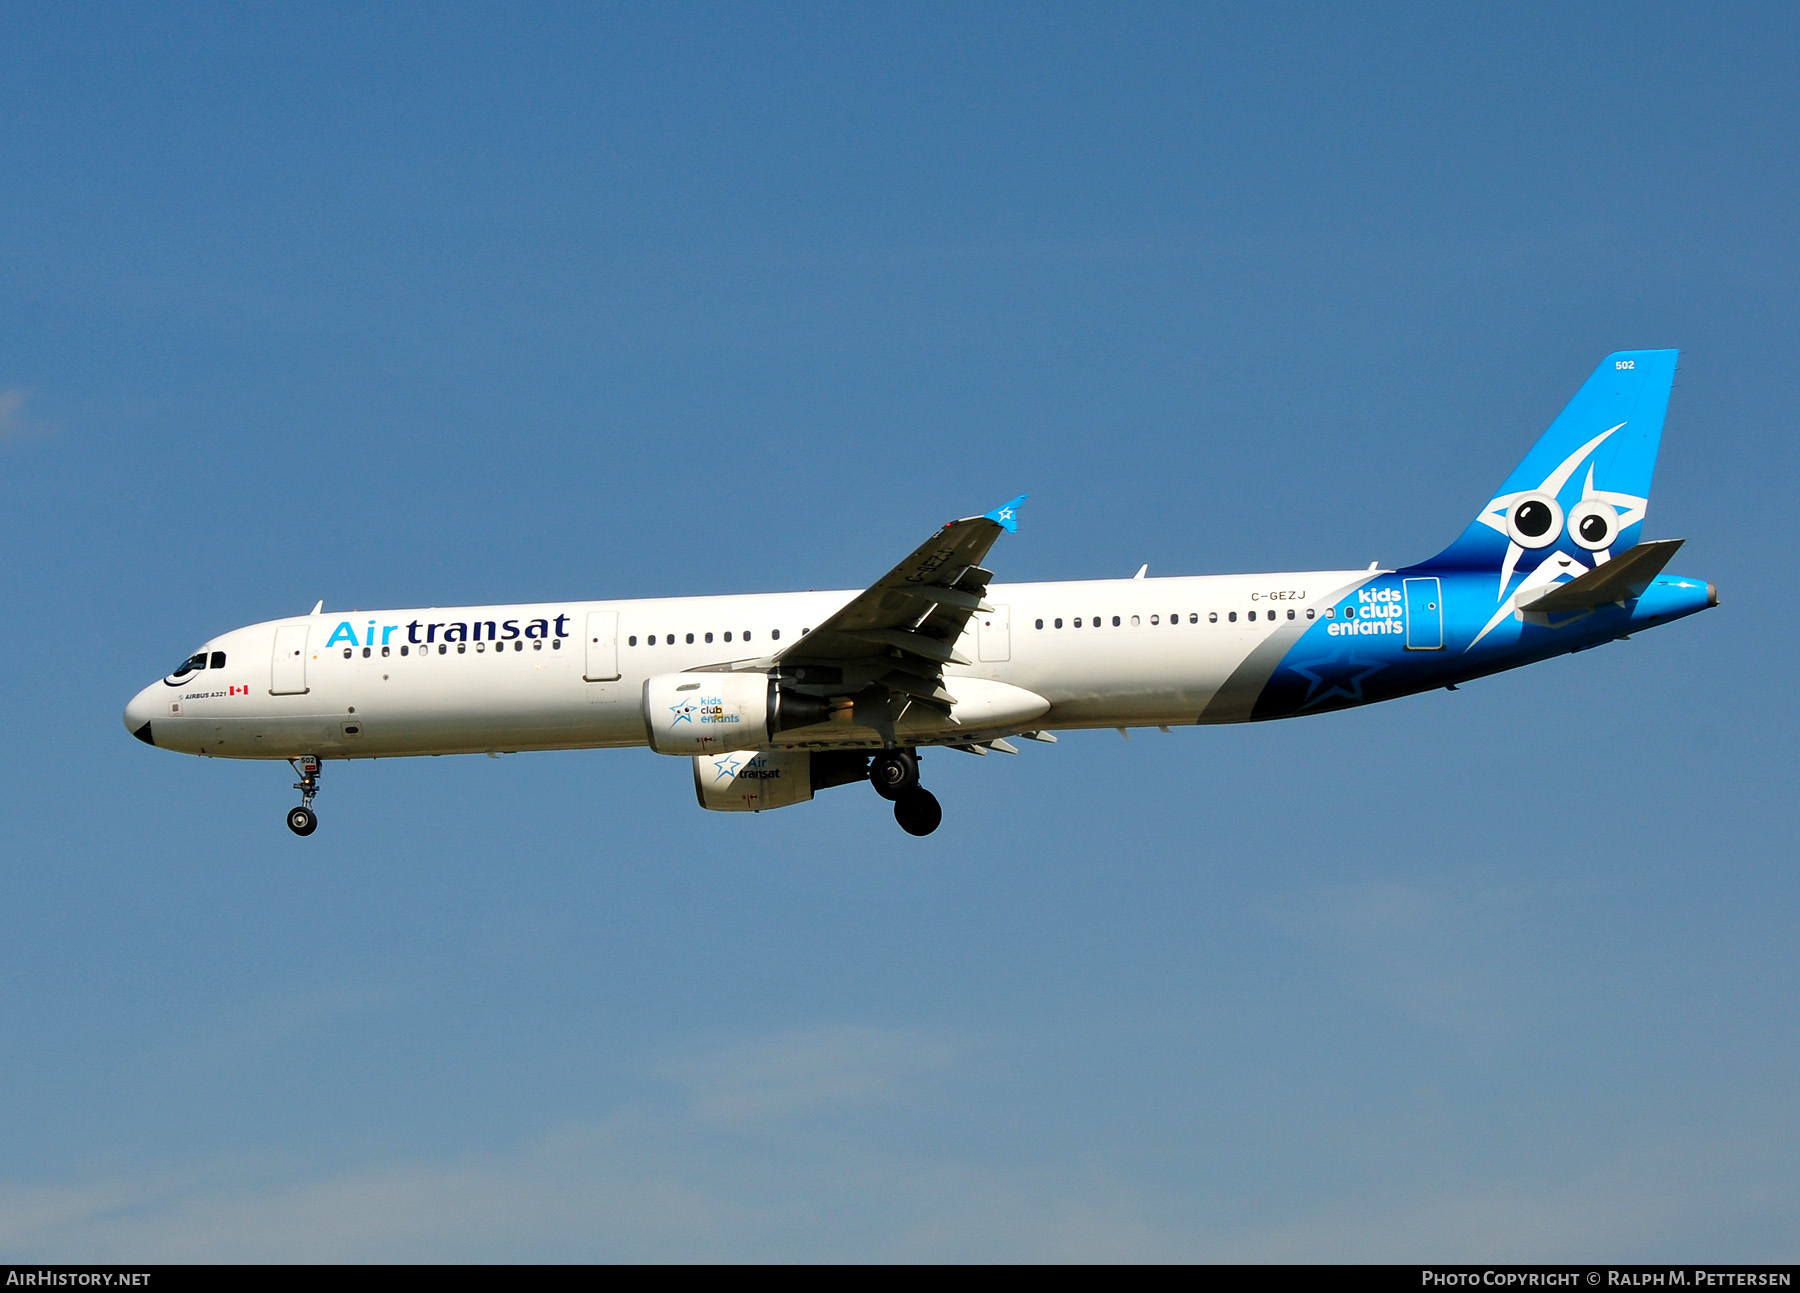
(752, 781)
(706, 713)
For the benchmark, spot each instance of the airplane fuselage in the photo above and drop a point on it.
(1100, 653)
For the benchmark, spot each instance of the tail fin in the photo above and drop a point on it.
(1582, 491)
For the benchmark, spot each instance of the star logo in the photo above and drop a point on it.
(684, 713)
(1003, 515)
(727, 767)
(1328, 678)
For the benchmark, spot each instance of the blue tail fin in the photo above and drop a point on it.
(1580, 496)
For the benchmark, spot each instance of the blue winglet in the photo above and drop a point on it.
(1007, 514)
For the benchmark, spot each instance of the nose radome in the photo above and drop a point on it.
(137, 717)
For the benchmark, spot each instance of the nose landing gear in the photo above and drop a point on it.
(303, 820)
(895, 776)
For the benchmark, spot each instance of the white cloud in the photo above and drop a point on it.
(730, 1167)
(15, 422)
(799, 1071)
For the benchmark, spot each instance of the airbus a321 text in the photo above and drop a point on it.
(777, 696)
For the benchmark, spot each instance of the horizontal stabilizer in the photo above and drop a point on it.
(1619, 580)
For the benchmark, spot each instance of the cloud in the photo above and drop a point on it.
(747, 1158)
(14, 423)
(1434, 957)
(800, 1071)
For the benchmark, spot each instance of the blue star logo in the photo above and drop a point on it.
(726, 766)
(1341, 677)
(684, 713)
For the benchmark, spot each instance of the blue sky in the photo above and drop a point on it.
(436, 305)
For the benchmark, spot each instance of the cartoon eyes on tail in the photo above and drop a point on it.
(1536, 521)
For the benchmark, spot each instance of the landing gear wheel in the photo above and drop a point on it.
(302, 820)
(893, 773)
(918, 811)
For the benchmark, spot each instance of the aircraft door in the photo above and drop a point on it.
(287, 668)
(602, 646)
(1424, 615)
(993, 634)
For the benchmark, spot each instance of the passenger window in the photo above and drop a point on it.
(1349, 612)
(1115, 621)
(709, 637)
(1156, 619)
(774, 633)
(346, 653)
(1328, 612)
(404, 649)
(632, 640)
(1212, 617)
(538, 645)
(690, 639)
(1040, 624)
(443, 648)
(1096, 621)
(1290, 612)
(1058, 623)
(462, 648)
(385, 652)
(746, 635)
(728, 636)
(518, 645)
(1194, 617)
(1134, 621)
(556, 645)
(670, 639)
(1078, 621)
(1309, 612)
(1232, 616)
(218, 659)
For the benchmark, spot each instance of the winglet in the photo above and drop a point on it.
(1006, 516)
(318, 606)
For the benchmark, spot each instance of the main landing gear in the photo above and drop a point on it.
(895, 776)
(303, 820)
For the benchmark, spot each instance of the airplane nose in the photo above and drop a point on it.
(137, 717)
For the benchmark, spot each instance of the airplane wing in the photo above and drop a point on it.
(889, 645)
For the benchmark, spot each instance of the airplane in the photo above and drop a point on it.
(774, 697)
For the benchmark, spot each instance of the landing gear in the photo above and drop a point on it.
(895, 776)
(893, 773)
(918, 811)
(303, 820)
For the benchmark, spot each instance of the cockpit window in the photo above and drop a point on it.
(218, 660)
(193, 663)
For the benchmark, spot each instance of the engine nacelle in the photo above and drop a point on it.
(751, 781)
(705, 713)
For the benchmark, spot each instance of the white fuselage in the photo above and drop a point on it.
(1110, 653)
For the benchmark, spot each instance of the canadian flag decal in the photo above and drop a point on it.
(240, 691)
